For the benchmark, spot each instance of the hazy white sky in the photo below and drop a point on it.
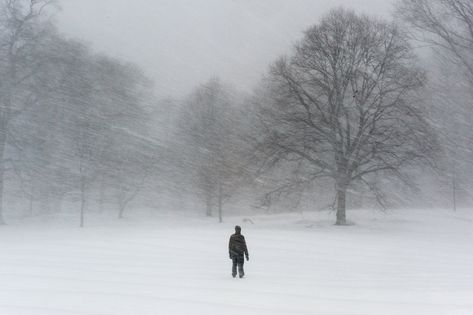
(181, 43)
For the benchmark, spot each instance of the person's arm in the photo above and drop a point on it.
(230, 248)
(246, 249)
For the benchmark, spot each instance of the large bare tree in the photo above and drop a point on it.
(343, 105)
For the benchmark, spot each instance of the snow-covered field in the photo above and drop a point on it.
(405, 262)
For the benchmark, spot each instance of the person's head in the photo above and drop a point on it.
(237, 229)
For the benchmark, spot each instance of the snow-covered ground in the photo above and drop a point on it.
(404, 262)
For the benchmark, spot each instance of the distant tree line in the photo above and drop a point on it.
(446, 28)
(351, 111)
(71, 121)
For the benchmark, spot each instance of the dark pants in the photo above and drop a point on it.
(238, 261)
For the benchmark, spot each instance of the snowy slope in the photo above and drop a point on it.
(406, 262)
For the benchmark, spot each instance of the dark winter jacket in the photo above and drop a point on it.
(237, 245)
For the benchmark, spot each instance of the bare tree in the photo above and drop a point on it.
(23, 33)
(65, 112)
(209, 125)
(343, 106)
(129, 156)
(131, 163)
(106, 102)
(445, 25)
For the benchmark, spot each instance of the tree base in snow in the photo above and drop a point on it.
(344, 223)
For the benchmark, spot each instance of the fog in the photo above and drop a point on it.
(234, 107)
(236, 156)
(180, 43)
(229, 107)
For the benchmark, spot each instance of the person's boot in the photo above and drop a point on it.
(241, 272)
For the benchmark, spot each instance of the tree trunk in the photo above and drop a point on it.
(220, 197)
(82, 203)
(2, 221)
(209, 205)
(454, 188)
(121, 203)
(102, 195)
(30, 208)
(121, 211)
(341, 205)
(2, 169)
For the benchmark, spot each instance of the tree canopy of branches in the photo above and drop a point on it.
(24, 35)
(343, 106)
(68, 116)
(209, 125)
(102, 100)
(445, 25)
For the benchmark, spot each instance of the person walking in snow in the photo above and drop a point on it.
(237, 248)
